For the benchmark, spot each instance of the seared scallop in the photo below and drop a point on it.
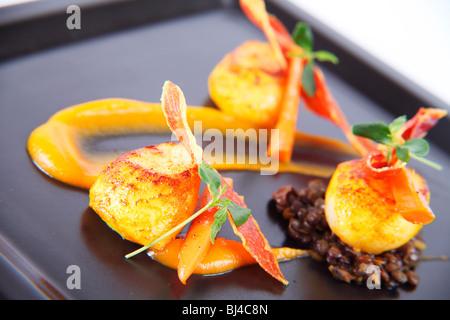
(248, 83)
(146, 192)
(362, 211)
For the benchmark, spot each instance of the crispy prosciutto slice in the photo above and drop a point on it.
(256, 12)
(410, 202)
(422, 122)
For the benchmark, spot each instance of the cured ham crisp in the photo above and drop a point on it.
(256, 12)
(174, 107)
(422, 122)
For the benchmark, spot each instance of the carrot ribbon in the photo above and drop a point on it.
(198, 238)
(282, 145)
(174, 104)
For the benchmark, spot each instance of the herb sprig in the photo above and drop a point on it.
(387, 134)
(214, 182)
(303, 37)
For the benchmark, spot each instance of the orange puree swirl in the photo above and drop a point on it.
(56, 146)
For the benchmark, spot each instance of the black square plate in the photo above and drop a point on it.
(128, 49)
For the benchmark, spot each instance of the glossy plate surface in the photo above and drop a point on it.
(46, 226)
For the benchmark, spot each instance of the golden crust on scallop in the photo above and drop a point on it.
(248, 82)
(146, 192)
(361, 210)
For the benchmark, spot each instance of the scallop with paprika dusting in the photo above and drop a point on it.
(146, 192)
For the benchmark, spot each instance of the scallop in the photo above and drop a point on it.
(249, 83)
(362, 212)
(146, 192)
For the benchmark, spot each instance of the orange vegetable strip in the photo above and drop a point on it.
(282, 145)
(323, 104)
(198, 238)
(422, 122)
(410, 203)
(224, 256)
(256, 11)
(174, 107)
(253, 240)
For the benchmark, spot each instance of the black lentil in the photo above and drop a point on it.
(304, 210)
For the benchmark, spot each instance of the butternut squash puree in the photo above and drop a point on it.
(56, 146)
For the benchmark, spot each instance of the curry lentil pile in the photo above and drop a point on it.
(308, 227)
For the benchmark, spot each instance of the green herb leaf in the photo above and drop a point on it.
(308, 82)
(396, 125)
(417, 147)
(377, 131)
(220, 218)
(240, 214)
(323, 55)
(383, 133)
(210, 177)
(402, 154)
(303, 36)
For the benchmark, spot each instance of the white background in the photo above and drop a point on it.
(10, 2)
(411, 36)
